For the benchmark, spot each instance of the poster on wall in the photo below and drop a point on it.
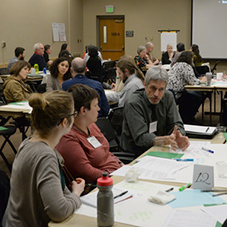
(58, 30)
(168, 38)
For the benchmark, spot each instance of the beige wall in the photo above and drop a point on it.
(144, 17)
(26, 22)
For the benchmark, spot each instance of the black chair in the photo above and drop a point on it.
(202, 70)
(4, 71)
(116, 119)
(42, 88)
(215, 65)
(4, 193)
(110, 75)
(6, 131)
(108, 131)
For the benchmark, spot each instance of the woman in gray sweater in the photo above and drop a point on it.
(38, 192)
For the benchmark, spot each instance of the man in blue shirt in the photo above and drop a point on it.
(78, 73)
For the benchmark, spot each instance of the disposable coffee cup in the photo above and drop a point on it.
(209, 77)
(219, 76)
(222, 169)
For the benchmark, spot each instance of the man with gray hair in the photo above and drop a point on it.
(149, 48)
(151, 116)
(37, 57)
(78, 69)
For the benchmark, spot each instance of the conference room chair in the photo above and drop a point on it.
(4, 71)
(115, 147)
(202, 70)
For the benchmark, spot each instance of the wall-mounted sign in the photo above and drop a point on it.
(129, 33)
(110, 9)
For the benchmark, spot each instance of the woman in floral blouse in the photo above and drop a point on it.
(182, 74)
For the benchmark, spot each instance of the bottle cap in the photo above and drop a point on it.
(105, 180)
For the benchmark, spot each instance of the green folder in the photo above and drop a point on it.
(164, 154)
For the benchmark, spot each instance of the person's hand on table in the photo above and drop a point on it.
(182, 141)
(113, 86)
(78, 186)
(203, 79)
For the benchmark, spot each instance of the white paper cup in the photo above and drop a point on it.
(219, 76)
(222, 169)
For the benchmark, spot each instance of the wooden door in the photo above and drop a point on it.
(112, 38)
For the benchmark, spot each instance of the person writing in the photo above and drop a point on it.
(15, 89)
(37, 166)
(85, 149)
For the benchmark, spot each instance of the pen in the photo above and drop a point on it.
(123, 193)
(207, 129)
(223, 193)
(214, 190)
(184, 159)
(185, 186)
(168, 190)
(205, 149)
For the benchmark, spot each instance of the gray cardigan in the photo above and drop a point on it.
(135, 136)
(36, 195)
(132, 84)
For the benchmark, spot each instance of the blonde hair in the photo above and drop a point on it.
(127, 62)
(49, 109)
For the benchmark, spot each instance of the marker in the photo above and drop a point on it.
(169, 190)
(205, 149)
(185, 186)
(184, 159)
(123, 193)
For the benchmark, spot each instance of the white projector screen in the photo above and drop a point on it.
(209, 28)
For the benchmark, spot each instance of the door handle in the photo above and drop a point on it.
(100, 48)
(123, 47)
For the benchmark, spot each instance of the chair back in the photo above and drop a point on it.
(4, 71)
(202, 70)
(116, 119)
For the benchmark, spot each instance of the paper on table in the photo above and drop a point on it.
(197, 129)
(121, 171)
(218, 212)
(188, 218)
(91, 198)
(158, 168)
(193, 197)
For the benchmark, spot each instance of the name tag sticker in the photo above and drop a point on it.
(94, 142)
(153, 127)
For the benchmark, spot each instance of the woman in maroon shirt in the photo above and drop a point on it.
(85, 149)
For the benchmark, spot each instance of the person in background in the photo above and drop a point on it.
(86, 57)
(15, 89)
(59, 72)
(94, 64)
(168, 55)
(142, 60)
(180, 75)
(132, 78)
(47, 51)
(66, 54)
(37, 166)
(78, 73)
(151, 115)
(19, 55)
(180, 49)
(85, 52)
(37, 57)
(197, 59)
(149, 48)
(85, 149)
(64, 46)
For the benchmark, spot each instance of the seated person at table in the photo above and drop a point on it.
(44, 196)
(15, 89)
(47, 51)
(150, 115)
(66, 54)
(78, 73)
(86, 56)
(64, 46)
(85, 149)
(94, 64)
(168, 55)
(19, 55)
(142, 60)
(182, 74)
(149, 48)
(59, 72)
(37, 57)
(180, 49)
(132, 78)
(197, 59)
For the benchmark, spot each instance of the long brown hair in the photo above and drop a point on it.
(127, 62)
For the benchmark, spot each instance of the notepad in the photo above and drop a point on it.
(200, 131)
